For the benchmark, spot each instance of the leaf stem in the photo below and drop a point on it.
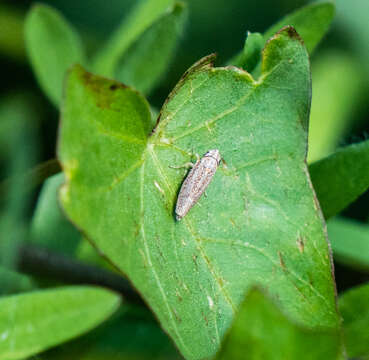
(37, 261)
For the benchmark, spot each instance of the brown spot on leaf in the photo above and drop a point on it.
(179, 297)
(300, 244)
(101, 88)
(194, 258)
(176, 315)
(291, 33)
(281, 261)
(116, 86)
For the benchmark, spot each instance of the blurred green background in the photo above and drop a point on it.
(29, 122)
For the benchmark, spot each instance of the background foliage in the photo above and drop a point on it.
(116, 42)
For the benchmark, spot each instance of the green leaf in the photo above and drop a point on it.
(33, 322)
(13, 282)
(258, 224)
(341, 178)
(350, 242)
(144, 63)
(52, 46)
(354, 308)
(18, 120)
(49, 227)
(131, 334)
(251, 54)
(52, 230)
(262, 331)
(311, 22)
(141, 47)
(334, 101)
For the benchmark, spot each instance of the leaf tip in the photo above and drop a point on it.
(290, 31)
(37, 7)
(38, 10)
(98, 85)
(329, 5)
(204, 63)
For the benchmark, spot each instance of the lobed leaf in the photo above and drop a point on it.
(260, 222)
(52, 46)
(262, 331)
(139, 51)
(354, 308)
(33, 322)
(350, 242)
(341, 178)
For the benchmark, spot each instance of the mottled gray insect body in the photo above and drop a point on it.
(196, 182)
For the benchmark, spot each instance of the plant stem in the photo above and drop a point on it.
(37, 261)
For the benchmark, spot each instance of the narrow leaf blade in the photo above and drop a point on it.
(33, 322)
(311, 22)
(341, 178)
(251, 54)
(131, 334)
(354, 308)
(350, 242)
(50, 228)
(143, 16)
(146, 60)
(12, 282)
(334, 101)
(19, 131)
(52, 46)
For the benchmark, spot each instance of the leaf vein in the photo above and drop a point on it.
(216, 277)
(276, 263)
(147, 253)
(222, 115)
(125, 174)
(170, 116)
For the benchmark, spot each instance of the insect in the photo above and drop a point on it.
(196, 182)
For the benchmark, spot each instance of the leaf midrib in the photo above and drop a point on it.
(157, 279)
